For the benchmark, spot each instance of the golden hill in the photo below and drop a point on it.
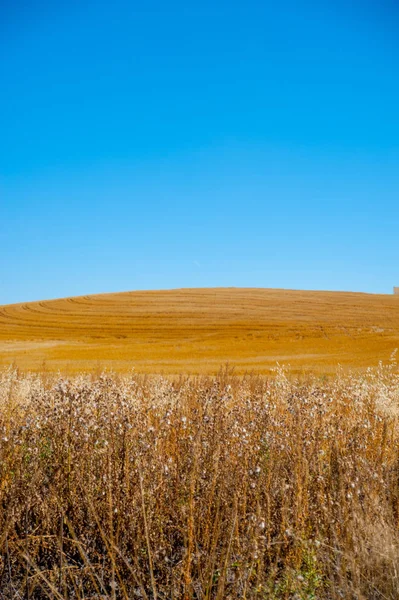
(198, 330)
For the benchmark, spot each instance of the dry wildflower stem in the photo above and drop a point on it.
(127, 487)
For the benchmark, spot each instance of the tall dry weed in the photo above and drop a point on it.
(212, 488)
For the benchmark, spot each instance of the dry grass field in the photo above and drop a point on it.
(197, 330)
(124, 487)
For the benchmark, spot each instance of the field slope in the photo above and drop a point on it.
(197, 330)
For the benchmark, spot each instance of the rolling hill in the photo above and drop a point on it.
(198, 330)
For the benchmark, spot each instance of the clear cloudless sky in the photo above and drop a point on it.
(149, 145)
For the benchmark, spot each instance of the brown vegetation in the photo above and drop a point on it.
(197, 330)
(124, 487)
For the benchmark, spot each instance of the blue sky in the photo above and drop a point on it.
(190, 144)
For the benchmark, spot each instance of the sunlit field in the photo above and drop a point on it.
(197, 330)
(132, 486)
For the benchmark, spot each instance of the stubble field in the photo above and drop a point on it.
(197, 330)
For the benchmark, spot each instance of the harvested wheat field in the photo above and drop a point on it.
(197, 330)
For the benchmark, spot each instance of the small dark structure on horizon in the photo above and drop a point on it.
(396, 290)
